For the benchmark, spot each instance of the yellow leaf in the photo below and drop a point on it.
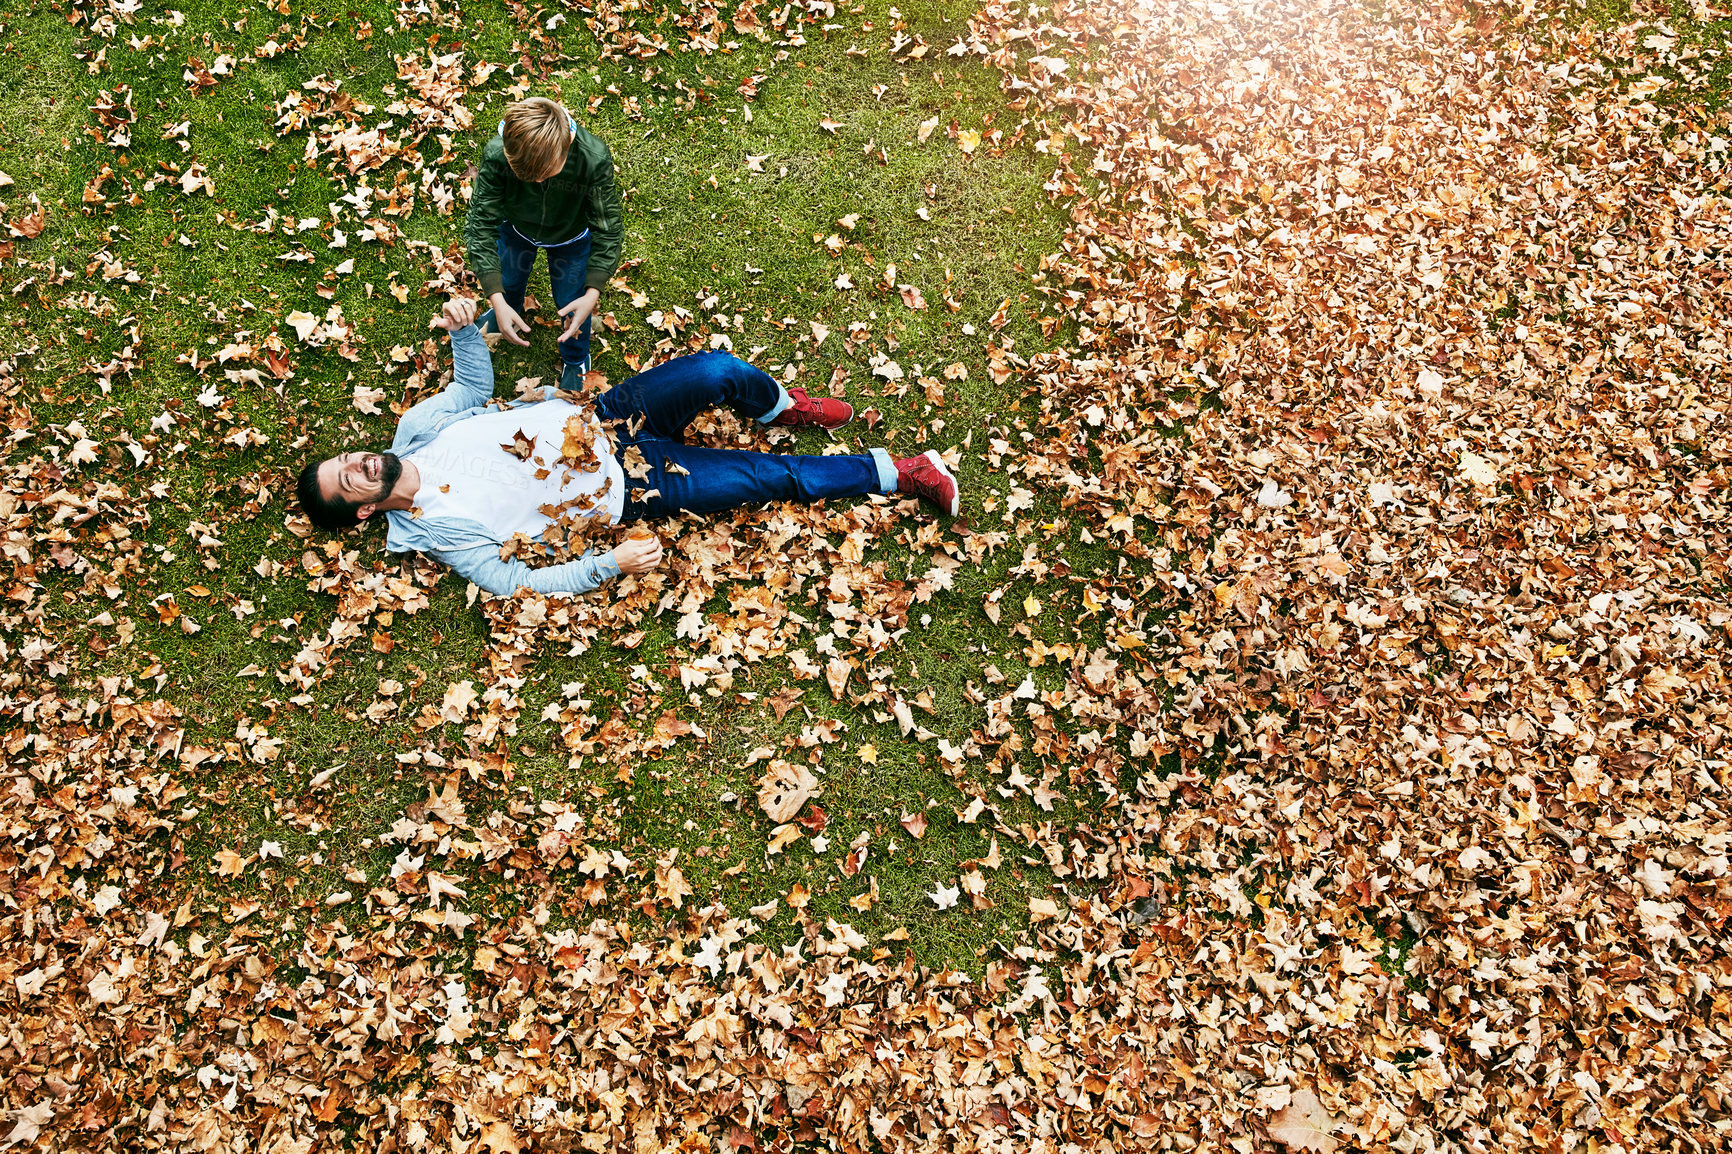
(1478, 470)
(303, 323)
(781, 838)
(1031, 605)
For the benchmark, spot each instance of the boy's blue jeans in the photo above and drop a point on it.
(566, 265)
(653, 409)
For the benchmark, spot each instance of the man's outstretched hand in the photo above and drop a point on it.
(459, 313)
(638, 556)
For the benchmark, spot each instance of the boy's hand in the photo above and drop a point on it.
(578, 311)
(638, 556)
(459, 313)
(511, 326)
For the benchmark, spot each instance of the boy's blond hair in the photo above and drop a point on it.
(537, 136)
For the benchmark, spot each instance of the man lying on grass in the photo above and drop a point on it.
(479, 487)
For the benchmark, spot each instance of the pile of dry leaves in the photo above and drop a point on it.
(1397, 384)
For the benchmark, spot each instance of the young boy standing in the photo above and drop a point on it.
(544, 183)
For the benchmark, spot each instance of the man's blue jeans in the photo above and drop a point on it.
(652, 410)
(566, 265)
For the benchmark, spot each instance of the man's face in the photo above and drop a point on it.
(359, 478)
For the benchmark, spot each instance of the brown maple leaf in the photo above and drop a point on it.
(282, 368)
(499, 1138)
(668, 727)
(636, 467)
(671, 885)
(786, 788)
(229, 863)
(1303, 1124)
(836, 673)
(520, 446)
(30, 225)
(783, 700)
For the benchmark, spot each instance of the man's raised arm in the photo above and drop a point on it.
(471, 361)
(471, 369)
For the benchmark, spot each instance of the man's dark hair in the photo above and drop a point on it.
(331, 515)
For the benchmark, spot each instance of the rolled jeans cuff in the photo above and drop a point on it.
(886, 470)
(782, 403)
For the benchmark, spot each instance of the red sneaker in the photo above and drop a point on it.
(926, 476)
(824, 412)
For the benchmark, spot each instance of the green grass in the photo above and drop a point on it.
(700, 224)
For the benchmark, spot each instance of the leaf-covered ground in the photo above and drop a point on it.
(1310, 736)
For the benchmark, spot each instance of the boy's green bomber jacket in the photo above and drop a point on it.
(582, 196)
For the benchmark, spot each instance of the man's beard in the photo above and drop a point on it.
(390, 472)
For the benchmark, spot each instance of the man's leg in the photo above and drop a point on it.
(699, 480)
(566, 266)
(516, 260)
(663, 401)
